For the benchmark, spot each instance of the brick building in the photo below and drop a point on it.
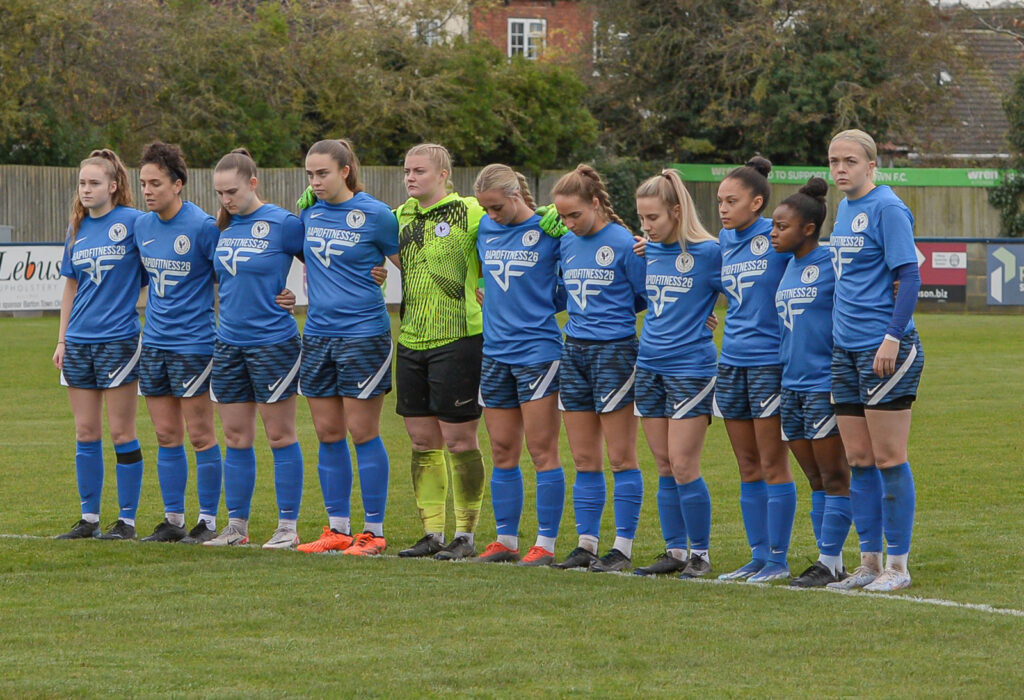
(558, 29)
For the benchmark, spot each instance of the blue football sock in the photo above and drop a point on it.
(836, 525)
(898, 506)
(89, 471)
(374, 472)
(866, 501)
(288, 480)
(817, 514)
(673, 527)
(239, 481)
(208, 478)
(781, 513)
(335, 470)
(695, 503)
(627, 499)
(507, 499)
(754, 508)
(588, 497)
(129, 478)
(550, 501)
(172, 473)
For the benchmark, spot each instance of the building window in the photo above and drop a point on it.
(526, 37)
(429, 31)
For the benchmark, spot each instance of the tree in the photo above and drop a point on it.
(723, 80)
(1008, 195)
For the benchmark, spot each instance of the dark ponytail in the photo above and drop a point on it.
(754, 176)
(809, 202)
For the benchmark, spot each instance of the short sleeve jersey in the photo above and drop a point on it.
(606, 283)
(254, 254)
(873, 235)
(440, 268)
(682, 287)
(178, 255)
(343, 243)
(804, 305)
(520, 270)
(751, 270)
(104, 260)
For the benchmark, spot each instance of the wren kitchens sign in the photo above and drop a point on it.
(900, 177)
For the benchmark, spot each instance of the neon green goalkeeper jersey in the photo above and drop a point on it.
(440, 269)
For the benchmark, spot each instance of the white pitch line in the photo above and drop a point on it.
(938, 602)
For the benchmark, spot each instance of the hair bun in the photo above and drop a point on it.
(243, 151)
(816, 187)
(760, 164)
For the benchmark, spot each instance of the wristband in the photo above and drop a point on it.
(892, 338)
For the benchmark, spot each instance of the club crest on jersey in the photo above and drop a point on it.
(260, 229)
(442, 229)
(810, 274)
(605, 256)
(531, 237)
(182, 244)
(760, 245)
(355, 219)
(117, 233)
(859, 223)
(684, 263)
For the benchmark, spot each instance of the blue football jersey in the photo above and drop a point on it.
(520, 271)
(104, 260)
(751, 270)
(178, 255)
(254, 254)
(873, 236)
(804, 304)
(605, 281)
(681, 291)
(343, 243)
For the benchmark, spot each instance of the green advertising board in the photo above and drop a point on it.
(899, 177)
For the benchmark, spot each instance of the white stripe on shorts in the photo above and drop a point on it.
(373, 383)
(286, 382)
(198, 381)
(688, 406)
(546, 382)
(825, 429)
(128, 367)
(714, 407)
(614, 402)
(772, 407)
(881, 390)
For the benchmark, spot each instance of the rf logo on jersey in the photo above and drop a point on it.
(860, 223)
(810, 274)
(531, 237)
(442, 229)
(260, 229)
(355, 219)
(684, 263)
(605, 256)
(760, 245)
(117, 233)
(182, 244)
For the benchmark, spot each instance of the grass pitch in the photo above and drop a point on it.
(129, 619)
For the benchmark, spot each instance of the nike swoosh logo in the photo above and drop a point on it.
(679, 405)
(272, 387)
(570, 259)
(875, 388)
(462, 403)
(366, 381)
(492, 239)
(316, 214)
(768, 400)
(651, 262)
(111, 375)
(148, 242)
(535, 382)
(776, 551)
(828, 544)
(608, 395)
(185, 384)
(819, 422)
